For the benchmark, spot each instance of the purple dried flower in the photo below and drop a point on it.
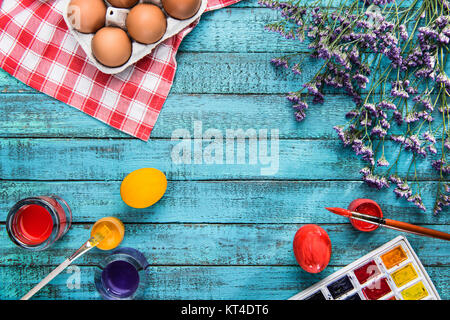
(300, 116)
(313, 91)
(378, 131)
(398, 117)
(387, 105)
(352, 114)
(426, 102)
(365, 122)
(365, 171)
(280, 62)
(344, 136)
(382, 162)
(361, 80)
(412, 117)
(365, 151)
(429, 137)
(398, 91)
(447, 143)
(425, 116)
(371, 109)
(296, 69)
(432, 149)
(374, 181)
(403, 190)
(399, 139)
(300, 108)
(441, 166)
(395, 179)
(294, 97)
(447, 188)
(443, 79)
(413, 144)
(443, 39)
(377, 2)
(403, 32)
(417, 200)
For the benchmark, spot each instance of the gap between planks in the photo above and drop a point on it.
(200, 265)
(249, 180)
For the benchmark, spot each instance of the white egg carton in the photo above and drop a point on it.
(117, 17)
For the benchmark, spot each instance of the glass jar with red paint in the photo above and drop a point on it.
(36, 223)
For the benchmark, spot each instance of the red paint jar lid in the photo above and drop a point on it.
(368, 207)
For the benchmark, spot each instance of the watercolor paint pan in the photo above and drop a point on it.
(391, 272)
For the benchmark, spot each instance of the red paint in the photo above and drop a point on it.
(312, 248)
(368, 207)
(64, 225)
(376, 290)
(342, 212)
(34, 224)
(366, 272)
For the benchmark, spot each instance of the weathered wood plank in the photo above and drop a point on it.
(37, 115)
(239, 30)
(79, 159)
(165, 283)
(237, 201)
(236, 73)
(224, 244)
(216, 72)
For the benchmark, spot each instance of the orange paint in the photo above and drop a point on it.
(394, 257)
(116, 235)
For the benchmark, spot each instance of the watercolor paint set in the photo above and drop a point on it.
(391, 272)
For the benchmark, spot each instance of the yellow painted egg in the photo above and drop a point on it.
(115, 235)
(143, 188)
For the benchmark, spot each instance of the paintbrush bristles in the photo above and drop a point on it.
(340, 211)
(100, 235)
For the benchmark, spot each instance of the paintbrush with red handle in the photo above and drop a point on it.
(391, 224)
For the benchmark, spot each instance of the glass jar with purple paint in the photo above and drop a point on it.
(122, 275)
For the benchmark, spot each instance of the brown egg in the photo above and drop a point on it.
(146, 23)
(181, 9)
(122, 3)
(87, 16)
(111, 46)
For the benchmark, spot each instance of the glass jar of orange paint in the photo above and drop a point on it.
(36, 223)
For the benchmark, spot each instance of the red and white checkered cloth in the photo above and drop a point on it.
(37, 48)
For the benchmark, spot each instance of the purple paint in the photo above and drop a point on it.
(120, 278)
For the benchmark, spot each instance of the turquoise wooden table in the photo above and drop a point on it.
(222, 231)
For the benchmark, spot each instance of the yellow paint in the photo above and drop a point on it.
(415, 292)
(404, 275)
(114, 237)
(100, 235)
(143, 188)
(394, 257)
